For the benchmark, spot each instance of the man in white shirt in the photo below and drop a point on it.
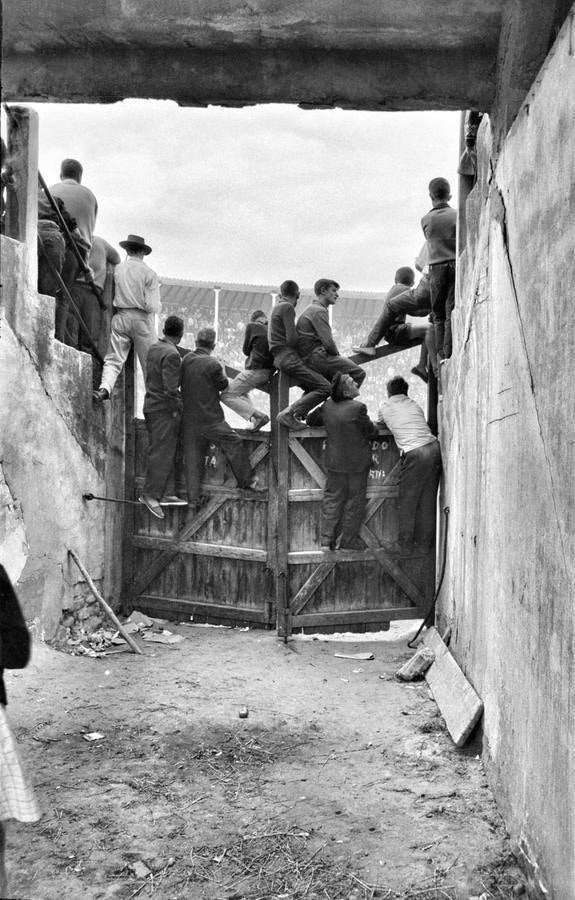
(79, 200)
(136, 302)
(420, 468)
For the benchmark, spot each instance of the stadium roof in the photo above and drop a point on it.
(183, 294)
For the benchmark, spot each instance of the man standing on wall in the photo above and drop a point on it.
(420, 468)
(162, 412)
(202, 381)
(439, 227)
(258, 371)
(348, 459)
(283, 338)
(90, 298)
(136, 302)
(316, 345)
(79, 200)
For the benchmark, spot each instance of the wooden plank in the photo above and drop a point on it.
(380, 352)
(301, 557)
(280, 438)
(386, 560)
(303, 495)
(259, 454)
(309, 587)
(458, 702)
(356, 617)
(174, 607)
(375, 492)
(307, 461)
(222, 551)
(167, 556)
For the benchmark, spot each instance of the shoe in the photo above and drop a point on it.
(259, 419)
(365, 351)
(289, 420)
(256, 485)
(421, 373)
(152, 504)
(173, 501)
(100, 395)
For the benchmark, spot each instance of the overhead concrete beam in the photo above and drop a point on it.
(398, 54)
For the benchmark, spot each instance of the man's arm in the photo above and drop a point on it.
(171, 369)
(152, 292)
(320, 323)
(368, 428)
(288, 319)
(219, 376)
(112, 255)
(247, 345)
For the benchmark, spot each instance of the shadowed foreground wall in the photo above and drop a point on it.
(53, 447)
(509, 446)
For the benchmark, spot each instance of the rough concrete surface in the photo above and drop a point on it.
(507, 436)
(338, 784)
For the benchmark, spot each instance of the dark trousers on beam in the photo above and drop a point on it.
(442, 285)
(316, 388)
(420, 471)
(328, 366)
(196, 443)
(343, 506)
(163, 428)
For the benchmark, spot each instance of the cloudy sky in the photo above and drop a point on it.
(259, 194)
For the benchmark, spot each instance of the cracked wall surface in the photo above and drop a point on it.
(509, 447)
(53, 448)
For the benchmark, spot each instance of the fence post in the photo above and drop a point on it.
(22, 198)
(280, 453)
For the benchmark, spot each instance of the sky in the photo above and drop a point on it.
(259, 194)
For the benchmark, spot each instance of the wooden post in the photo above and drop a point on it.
(129, 376)
(22, 198)
(280, 450)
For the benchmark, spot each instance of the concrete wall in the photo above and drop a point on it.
(54, 446)
(508, 434)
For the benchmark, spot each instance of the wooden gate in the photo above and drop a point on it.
(254, 559)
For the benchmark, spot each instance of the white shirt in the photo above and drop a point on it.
(137, 286)
(405, 419)
(80, 203)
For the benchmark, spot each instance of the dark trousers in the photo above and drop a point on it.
(162, 428)
(196, 442)
(420, 471)
(442, 285)
(413, 302)
(343, 506)
(91, 312)
(328, 366)
(315, 387)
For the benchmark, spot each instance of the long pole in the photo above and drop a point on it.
(107, 609)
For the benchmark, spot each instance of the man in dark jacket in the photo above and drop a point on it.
(348, 458)
(283, 340)
(258, 371)
(401, 300)
(203, 381)
(162, 412)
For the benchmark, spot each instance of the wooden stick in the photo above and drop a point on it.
(107, 609)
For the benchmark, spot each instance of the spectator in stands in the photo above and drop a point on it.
(78, 199)
(316, 345)
(420, 468)
(17, 800)
(391, 324)
(89, 297)
(136, 301)
(258, 371)
(283, 339)
(439, 227)
(162, 412)
(202, 382)
(348, 459)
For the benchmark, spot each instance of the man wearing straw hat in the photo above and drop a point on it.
(136, 301)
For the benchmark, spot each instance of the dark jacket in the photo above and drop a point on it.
(14, 636)
(256, 347)
(281, 329)
(163, 378)
(202, 381)
(314, 331)
(349, 433)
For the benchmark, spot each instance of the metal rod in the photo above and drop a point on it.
(107, 609)
(110, 499)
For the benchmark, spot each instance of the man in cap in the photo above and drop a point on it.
(202, 382)
(136, 302)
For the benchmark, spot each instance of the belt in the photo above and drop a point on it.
(427, 443)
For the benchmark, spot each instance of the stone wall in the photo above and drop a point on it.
(54, 446)
(508, 439)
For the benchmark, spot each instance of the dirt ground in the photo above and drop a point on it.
(340, 783)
